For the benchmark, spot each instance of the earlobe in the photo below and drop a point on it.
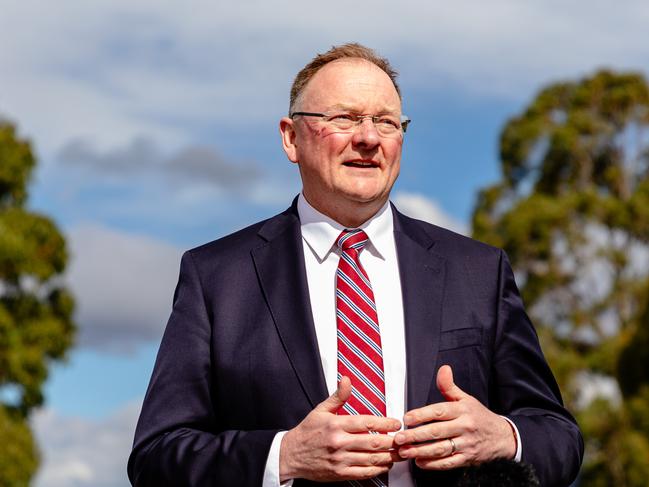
(287, 131)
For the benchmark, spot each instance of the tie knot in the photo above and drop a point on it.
(352, 239)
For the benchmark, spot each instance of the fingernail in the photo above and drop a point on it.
(400, 439)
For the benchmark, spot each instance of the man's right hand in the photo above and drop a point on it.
(327, 447)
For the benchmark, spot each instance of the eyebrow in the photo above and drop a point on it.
(348, 108)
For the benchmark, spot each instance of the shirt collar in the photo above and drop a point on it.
(320, 232)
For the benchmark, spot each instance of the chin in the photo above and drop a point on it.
(365, 194)
(366, 199)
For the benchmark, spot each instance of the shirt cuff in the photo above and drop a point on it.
(271, 472)
(519, 445)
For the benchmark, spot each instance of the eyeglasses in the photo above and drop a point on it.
(386, 125)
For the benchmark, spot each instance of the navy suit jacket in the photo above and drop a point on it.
(239, 359)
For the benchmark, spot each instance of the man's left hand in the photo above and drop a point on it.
(456, 433)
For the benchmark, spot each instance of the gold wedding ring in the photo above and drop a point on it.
(453, 447)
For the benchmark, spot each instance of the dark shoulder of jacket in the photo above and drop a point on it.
(474, 264)
(444, 242)
(238, 245)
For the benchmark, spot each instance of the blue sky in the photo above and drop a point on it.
(155, 124)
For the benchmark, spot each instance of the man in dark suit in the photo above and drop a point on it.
(249, 387)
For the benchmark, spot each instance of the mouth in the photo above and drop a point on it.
(362, 163)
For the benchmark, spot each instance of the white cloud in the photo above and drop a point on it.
(81, 452)
(421, 207)
(123, 285)
(118, 68)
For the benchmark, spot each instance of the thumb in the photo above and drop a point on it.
(334, 402)
(446, 386)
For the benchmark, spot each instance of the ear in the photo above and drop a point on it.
(287, 131)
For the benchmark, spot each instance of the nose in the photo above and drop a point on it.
(366, 135)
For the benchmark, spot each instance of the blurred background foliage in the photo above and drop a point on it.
(572, 212)
(36, 324)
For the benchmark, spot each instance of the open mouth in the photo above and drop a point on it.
(361, 164)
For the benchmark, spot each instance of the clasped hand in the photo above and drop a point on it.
(327, 447)
(455, 433)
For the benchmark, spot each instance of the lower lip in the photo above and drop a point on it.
(353, 166)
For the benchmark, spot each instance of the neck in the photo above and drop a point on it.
(350, 214)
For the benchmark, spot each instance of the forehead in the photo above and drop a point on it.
(352, 84)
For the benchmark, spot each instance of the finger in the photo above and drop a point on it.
(435, 449)
(429, 432)
(446, 463)
(360, 473)
(334, 402)
(364, 459)
(446, 386)
(368, 442)
(364, 423)
(442, 411)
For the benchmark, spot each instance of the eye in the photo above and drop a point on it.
(388, 122)
(343, 117)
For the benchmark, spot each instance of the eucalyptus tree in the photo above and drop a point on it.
(36, 326)
(572, 212)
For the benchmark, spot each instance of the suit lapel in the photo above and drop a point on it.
(422, 285)
(282, 276)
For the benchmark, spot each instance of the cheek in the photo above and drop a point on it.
(393, 154)
(334, 142)
(322, 151)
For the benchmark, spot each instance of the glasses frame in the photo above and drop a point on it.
(404, 120)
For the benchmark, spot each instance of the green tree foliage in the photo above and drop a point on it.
(572, 211)
(36, 325)
(18, 453)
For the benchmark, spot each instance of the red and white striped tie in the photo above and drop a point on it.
(359, 339)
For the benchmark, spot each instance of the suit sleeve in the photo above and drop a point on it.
(528, 394)
(177, 439)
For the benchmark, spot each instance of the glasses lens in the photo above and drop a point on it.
(342, 121)
(347, 122)
(387, 126)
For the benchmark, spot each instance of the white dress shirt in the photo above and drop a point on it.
(379, 259)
